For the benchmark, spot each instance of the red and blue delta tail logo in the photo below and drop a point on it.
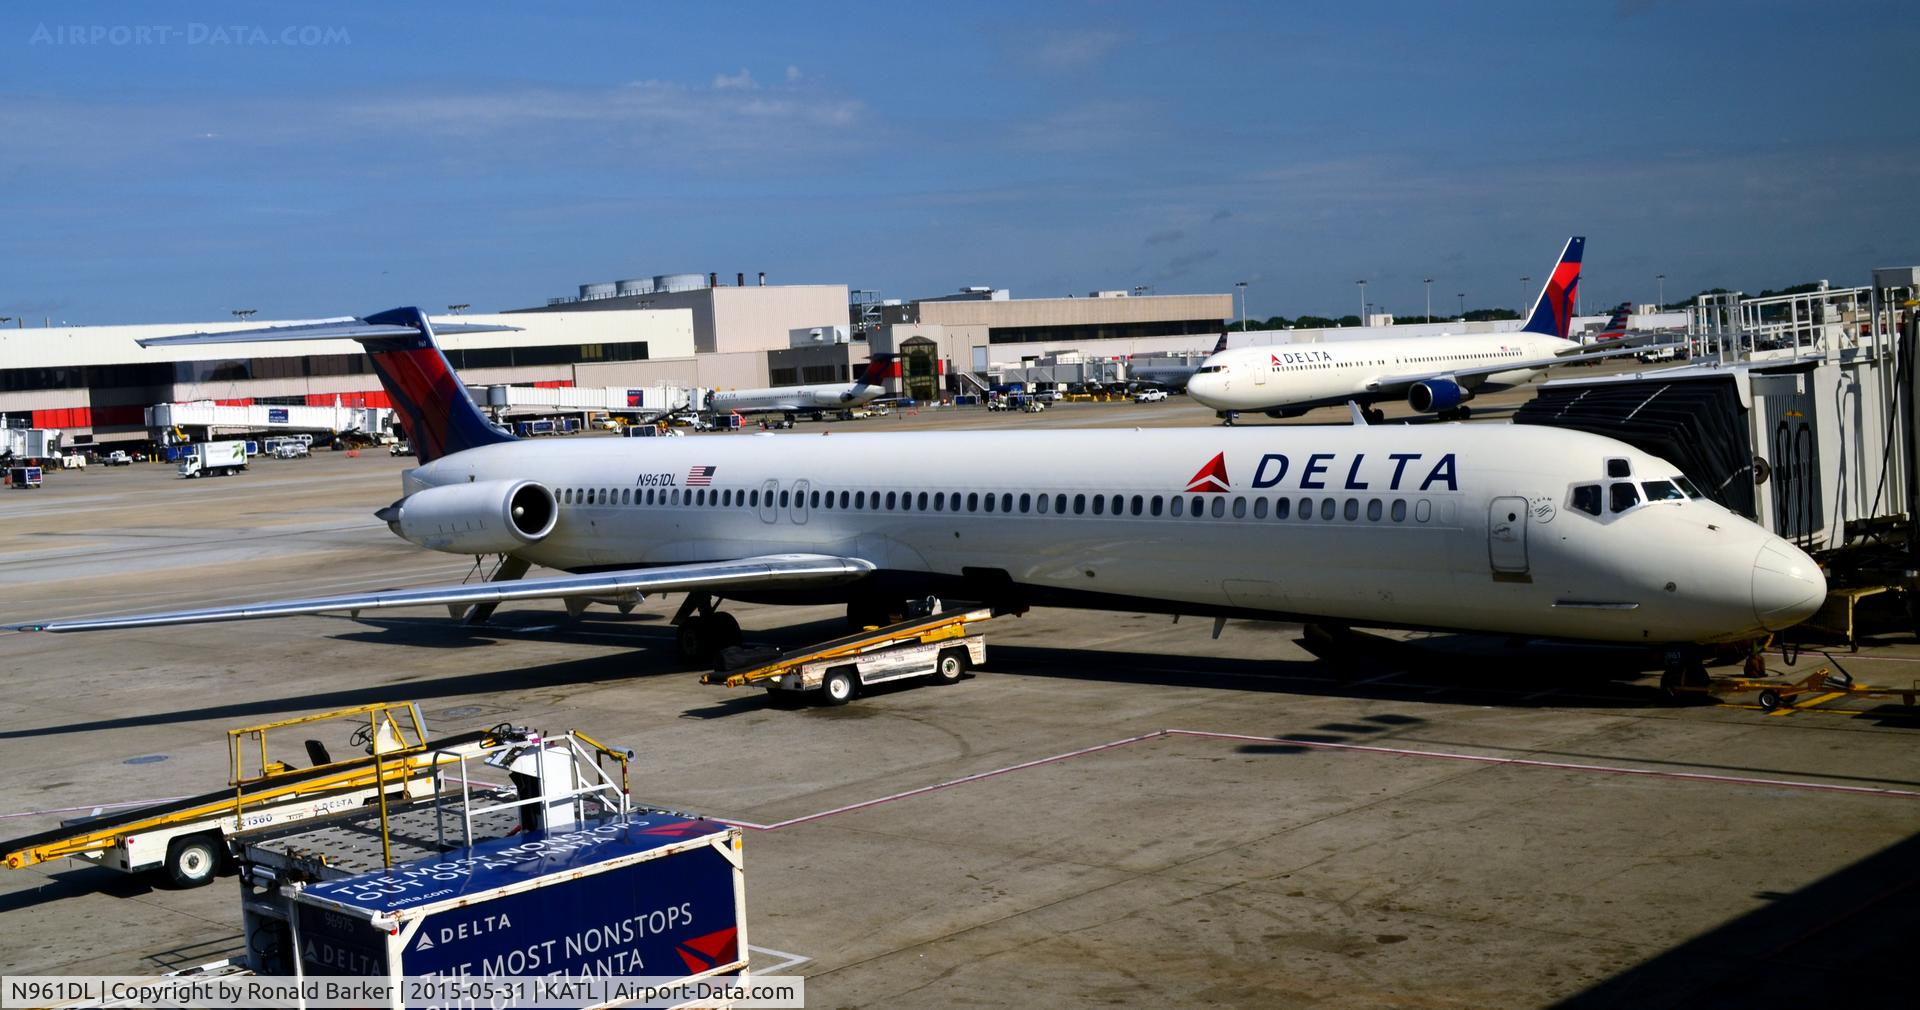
(1553, 311)
(439, 416)
(1212, 477)
(880, 368)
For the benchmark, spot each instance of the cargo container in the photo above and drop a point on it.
(661, 895)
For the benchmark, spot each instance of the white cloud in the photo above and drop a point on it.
(793, 73)
(1070, 49)
(742, 81)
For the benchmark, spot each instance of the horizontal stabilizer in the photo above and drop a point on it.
(333, 329)
(771, 570)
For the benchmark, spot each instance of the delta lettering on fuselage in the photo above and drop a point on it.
(1398, 472)
(1301, 357)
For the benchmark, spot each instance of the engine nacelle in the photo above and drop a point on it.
(489, 517)
(1435, 395)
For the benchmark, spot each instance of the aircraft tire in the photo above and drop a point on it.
(724, 631)
(695, 640)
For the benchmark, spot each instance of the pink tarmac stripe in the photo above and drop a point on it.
(1405, 752)
(1431, 755)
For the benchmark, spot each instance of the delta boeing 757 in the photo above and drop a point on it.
(1490, 528)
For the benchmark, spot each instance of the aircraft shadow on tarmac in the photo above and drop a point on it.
(1440, 671)
(1844, 940)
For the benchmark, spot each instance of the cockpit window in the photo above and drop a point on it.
(1586, 498)
(1623, 496)
(1686, 487)
(1661, 490)
(1210, 369)
(1619, 468)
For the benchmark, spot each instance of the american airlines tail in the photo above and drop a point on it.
(1553, 311)
(440, 418)
(1616, 327)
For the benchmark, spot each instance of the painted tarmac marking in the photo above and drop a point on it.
(1487, 759)
(1161, 734)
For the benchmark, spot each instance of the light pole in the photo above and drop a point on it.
(1462, 295)
(1661, 279)
(1526, 285)
(1429, 283)
(1363, 300)
(1242, 285)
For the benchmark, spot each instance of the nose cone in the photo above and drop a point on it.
(1204, 389)
(1787, 586)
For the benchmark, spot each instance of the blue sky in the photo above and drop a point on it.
(330, 158)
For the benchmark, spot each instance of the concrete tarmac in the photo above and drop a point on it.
(1128, 811)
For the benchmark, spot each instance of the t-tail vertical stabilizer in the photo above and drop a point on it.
(440, 418)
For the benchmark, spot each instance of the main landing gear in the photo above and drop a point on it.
(703, 630)
(1459, 413)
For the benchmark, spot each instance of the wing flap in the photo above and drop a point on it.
(758, 572)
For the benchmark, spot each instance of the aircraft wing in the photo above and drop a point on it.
(332, 329)
(1399, 383)
(767, 571)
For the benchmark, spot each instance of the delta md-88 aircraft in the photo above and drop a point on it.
(1492, 528)
(814, 400)
(1435, 375)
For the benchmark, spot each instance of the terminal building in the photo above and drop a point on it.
(977, 329)
(94, 383)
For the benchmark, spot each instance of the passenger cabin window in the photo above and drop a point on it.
(1619, 468)
(1586, 498)
(1623, 496)
(1661, 490)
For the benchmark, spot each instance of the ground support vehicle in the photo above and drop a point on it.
(1781, 697)
(213, 459)
(938, 646)
(24, 476)
(118, 457)
(187, 839)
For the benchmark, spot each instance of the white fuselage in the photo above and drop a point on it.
(792, 399)
(1287, 376)
(1452, 527)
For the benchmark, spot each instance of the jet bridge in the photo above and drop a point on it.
(1795, 410)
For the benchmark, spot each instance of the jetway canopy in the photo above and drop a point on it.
(266, 417)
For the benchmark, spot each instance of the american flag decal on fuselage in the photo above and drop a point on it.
(700, 476)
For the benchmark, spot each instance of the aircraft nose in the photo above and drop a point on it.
(1787, 586)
